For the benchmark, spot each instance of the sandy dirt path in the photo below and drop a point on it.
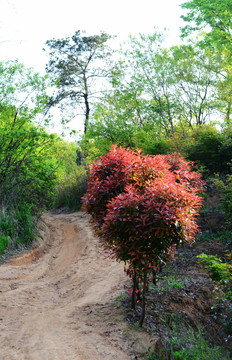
(56, 302)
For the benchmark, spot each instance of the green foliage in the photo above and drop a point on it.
(213, 19)
(221, 273)
(225, 189)
(103, 132)
(210, 21)
(158, 95)
(71, 179)
(70, 190)
(171, 282)
(27, 177)
(4, 240)
(25, 223)
(181, 342)
(23, 91)
(193, 346)
(210, 148)
(27, 166)
(219, 270)
(18, 226)
(206, 147)
(93, 146)
(151, 144)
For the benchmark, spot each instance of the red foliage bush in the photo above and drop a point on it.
(143, 206)
(143, 228)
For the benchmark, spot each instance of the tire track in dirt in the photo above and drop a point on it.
(54, 299)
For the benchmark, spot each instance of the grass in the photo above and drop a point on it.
(181, 342)
(120, 297)
(170, 282)
(18, 229)
(4, 240)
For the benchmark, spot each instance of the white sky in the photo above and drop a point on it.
(25, 25)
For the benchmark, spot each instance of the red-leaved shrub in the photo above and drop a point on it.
(143, 207)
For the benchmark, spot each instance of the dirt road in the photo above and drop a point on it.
(57, 302)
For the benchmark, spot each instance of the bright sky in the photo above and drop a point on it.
(25, 25)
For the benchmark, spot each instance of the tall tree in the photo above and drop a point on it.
(151, 72)
(76, 66)
(196, 75)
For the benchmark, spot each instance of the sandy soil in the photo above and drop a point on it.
(57, 302)
(65, 300)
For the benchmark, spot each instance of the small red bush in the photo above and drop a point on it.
(143, 206)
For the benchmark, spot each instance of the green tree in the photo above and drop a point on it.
(195, 80)
(129, 115)
(76, 67)
(179, 83)
(116, 120)
(24, 91)
(224, 89)
(152, 73)
(27, 175)
(156, 94)
(27, 167)
(213, 19)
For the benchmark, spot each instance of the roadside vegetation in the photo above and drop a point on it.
(175, 105)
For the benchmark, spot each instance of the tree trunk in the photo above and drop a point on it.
(144, 299)
(228, 113)
(154, 279)
(87, 111)
(133, 295)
